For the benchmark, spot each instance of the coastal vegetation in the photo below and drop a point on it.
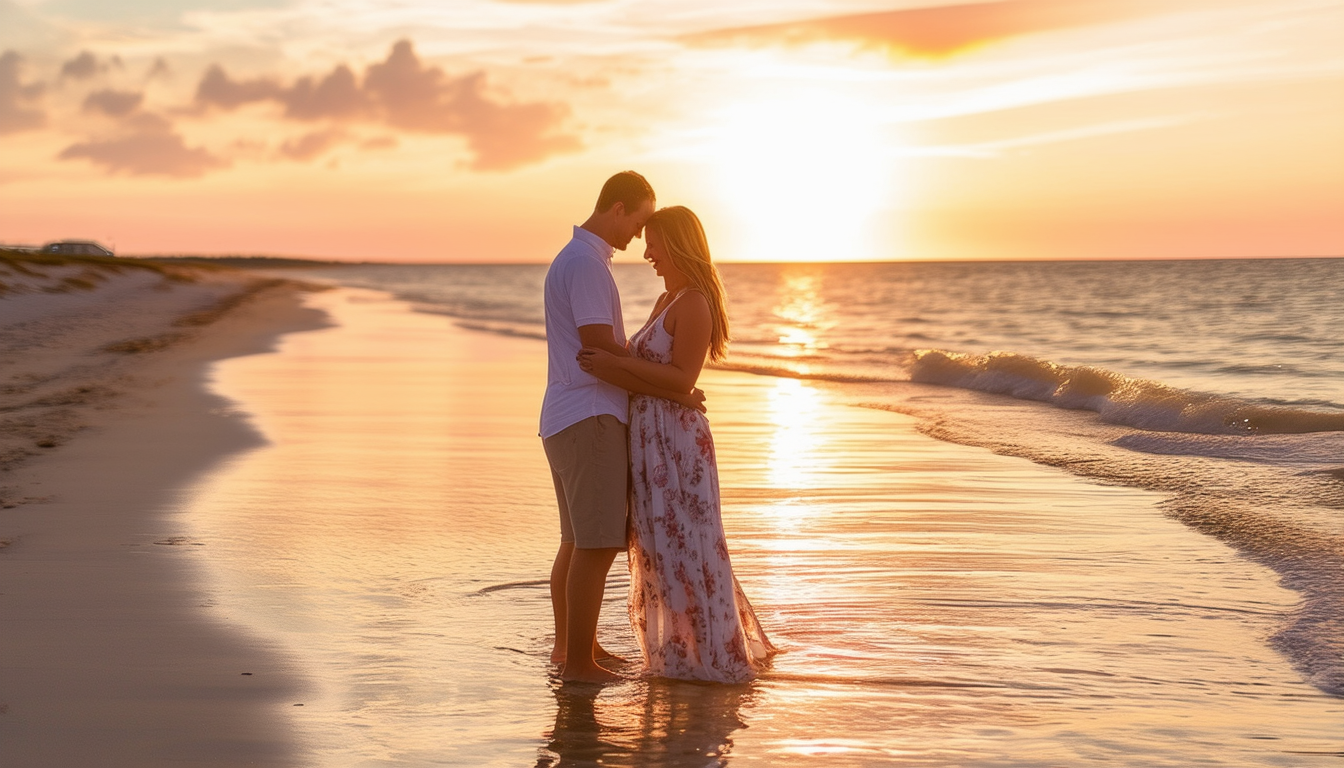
(26, 271)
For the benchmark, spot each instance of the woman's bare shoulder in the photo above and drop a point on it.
(690, 305)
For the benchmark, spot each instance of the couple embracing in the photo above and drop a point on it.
(631, 454)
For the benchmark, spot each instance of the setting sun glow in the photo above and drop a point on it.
(804, 176)
(480, 130)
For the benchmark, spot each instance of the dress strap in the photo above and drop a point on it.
(674, 300)
(658, 319)
(670, 302)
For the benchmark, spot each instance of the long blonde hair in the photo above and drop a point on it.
(684, 238)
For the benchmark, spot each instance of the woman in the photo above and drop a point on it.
(691, 618)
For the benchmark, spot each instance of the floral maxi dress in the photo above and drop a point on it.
(691, 618)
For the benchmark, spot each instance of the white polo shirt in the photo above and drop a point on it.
(580, 290)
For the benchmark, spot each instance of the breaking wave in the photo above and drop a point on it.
(1118, 399)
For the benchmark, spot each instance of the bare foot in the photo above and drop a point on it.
(594, 674)
(599, 654)
(607, 657)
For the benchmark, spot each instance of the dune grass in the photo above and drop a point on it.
(26, 267)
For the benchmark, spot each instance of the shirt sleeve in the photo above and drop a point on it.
(591, 293)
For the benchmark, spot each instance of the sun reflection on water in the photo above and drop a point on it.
(802, 313)
(795, 441)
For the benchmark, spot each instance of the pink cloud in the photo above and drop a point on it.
(147, 146)
(159, 68)
(403, 92)
(86, 65)
(113, 103)
(218, 90)
(939, 30)
(311, 145)
(336, 96)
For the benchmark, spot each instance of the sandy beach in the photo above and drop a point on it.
(358, 514)
(110, 654)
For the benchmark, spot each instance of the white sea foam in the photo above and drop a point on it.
(1119, 399)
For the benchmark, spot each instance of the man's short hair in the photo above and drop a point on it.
(625, 187)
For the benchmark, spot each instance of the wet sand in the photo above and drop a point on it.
(938, 604)
(111, 654)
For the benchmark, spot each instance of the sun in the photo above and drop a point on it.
(803, 178)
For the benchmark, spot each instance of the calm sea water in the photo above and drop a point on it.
(938, 607)
(1267, 332)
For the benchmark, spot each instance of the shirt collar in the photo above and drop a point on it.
(602, 247)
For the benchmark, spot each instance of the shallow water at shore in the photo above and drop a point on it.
(938, 604)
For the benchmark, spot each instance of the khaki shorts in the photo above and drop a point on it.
(590, 466)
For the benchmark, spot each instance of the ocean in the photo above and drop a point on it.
(1247, 332)
(1194, 402)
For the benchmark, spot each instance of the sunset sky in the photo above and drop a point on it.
(480, 130)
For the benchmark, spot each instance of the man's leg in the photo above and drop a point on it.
(560, 612)
(590, 470)
(583, 597)
(559, 578)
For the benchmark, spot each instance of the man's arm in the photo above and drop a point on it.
(604, 338)
(601, 337)
(690, 323)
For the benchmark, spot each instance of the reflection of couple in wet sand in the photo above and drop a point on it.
(631, 454)
(669, 724)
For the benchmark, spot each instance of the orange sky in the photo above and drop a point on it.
(479, 130)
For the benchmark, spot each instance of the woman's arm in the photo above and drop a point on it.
(602, 337)
(693, 399)
(689, 323)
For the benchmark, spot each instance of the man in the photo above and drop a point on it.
(583, 420)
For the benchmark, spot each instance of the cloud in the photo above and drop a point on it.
(937, 31)
(148, 147)
(82, 67)
(402, 92)
(218, 90)
(113, 103)
(335, 96)
(86, 65)
(159, 68)
(14, 95)
(311, 145)
(503, 136)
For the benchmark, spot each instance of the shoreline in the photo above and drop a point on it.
(110, 656)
